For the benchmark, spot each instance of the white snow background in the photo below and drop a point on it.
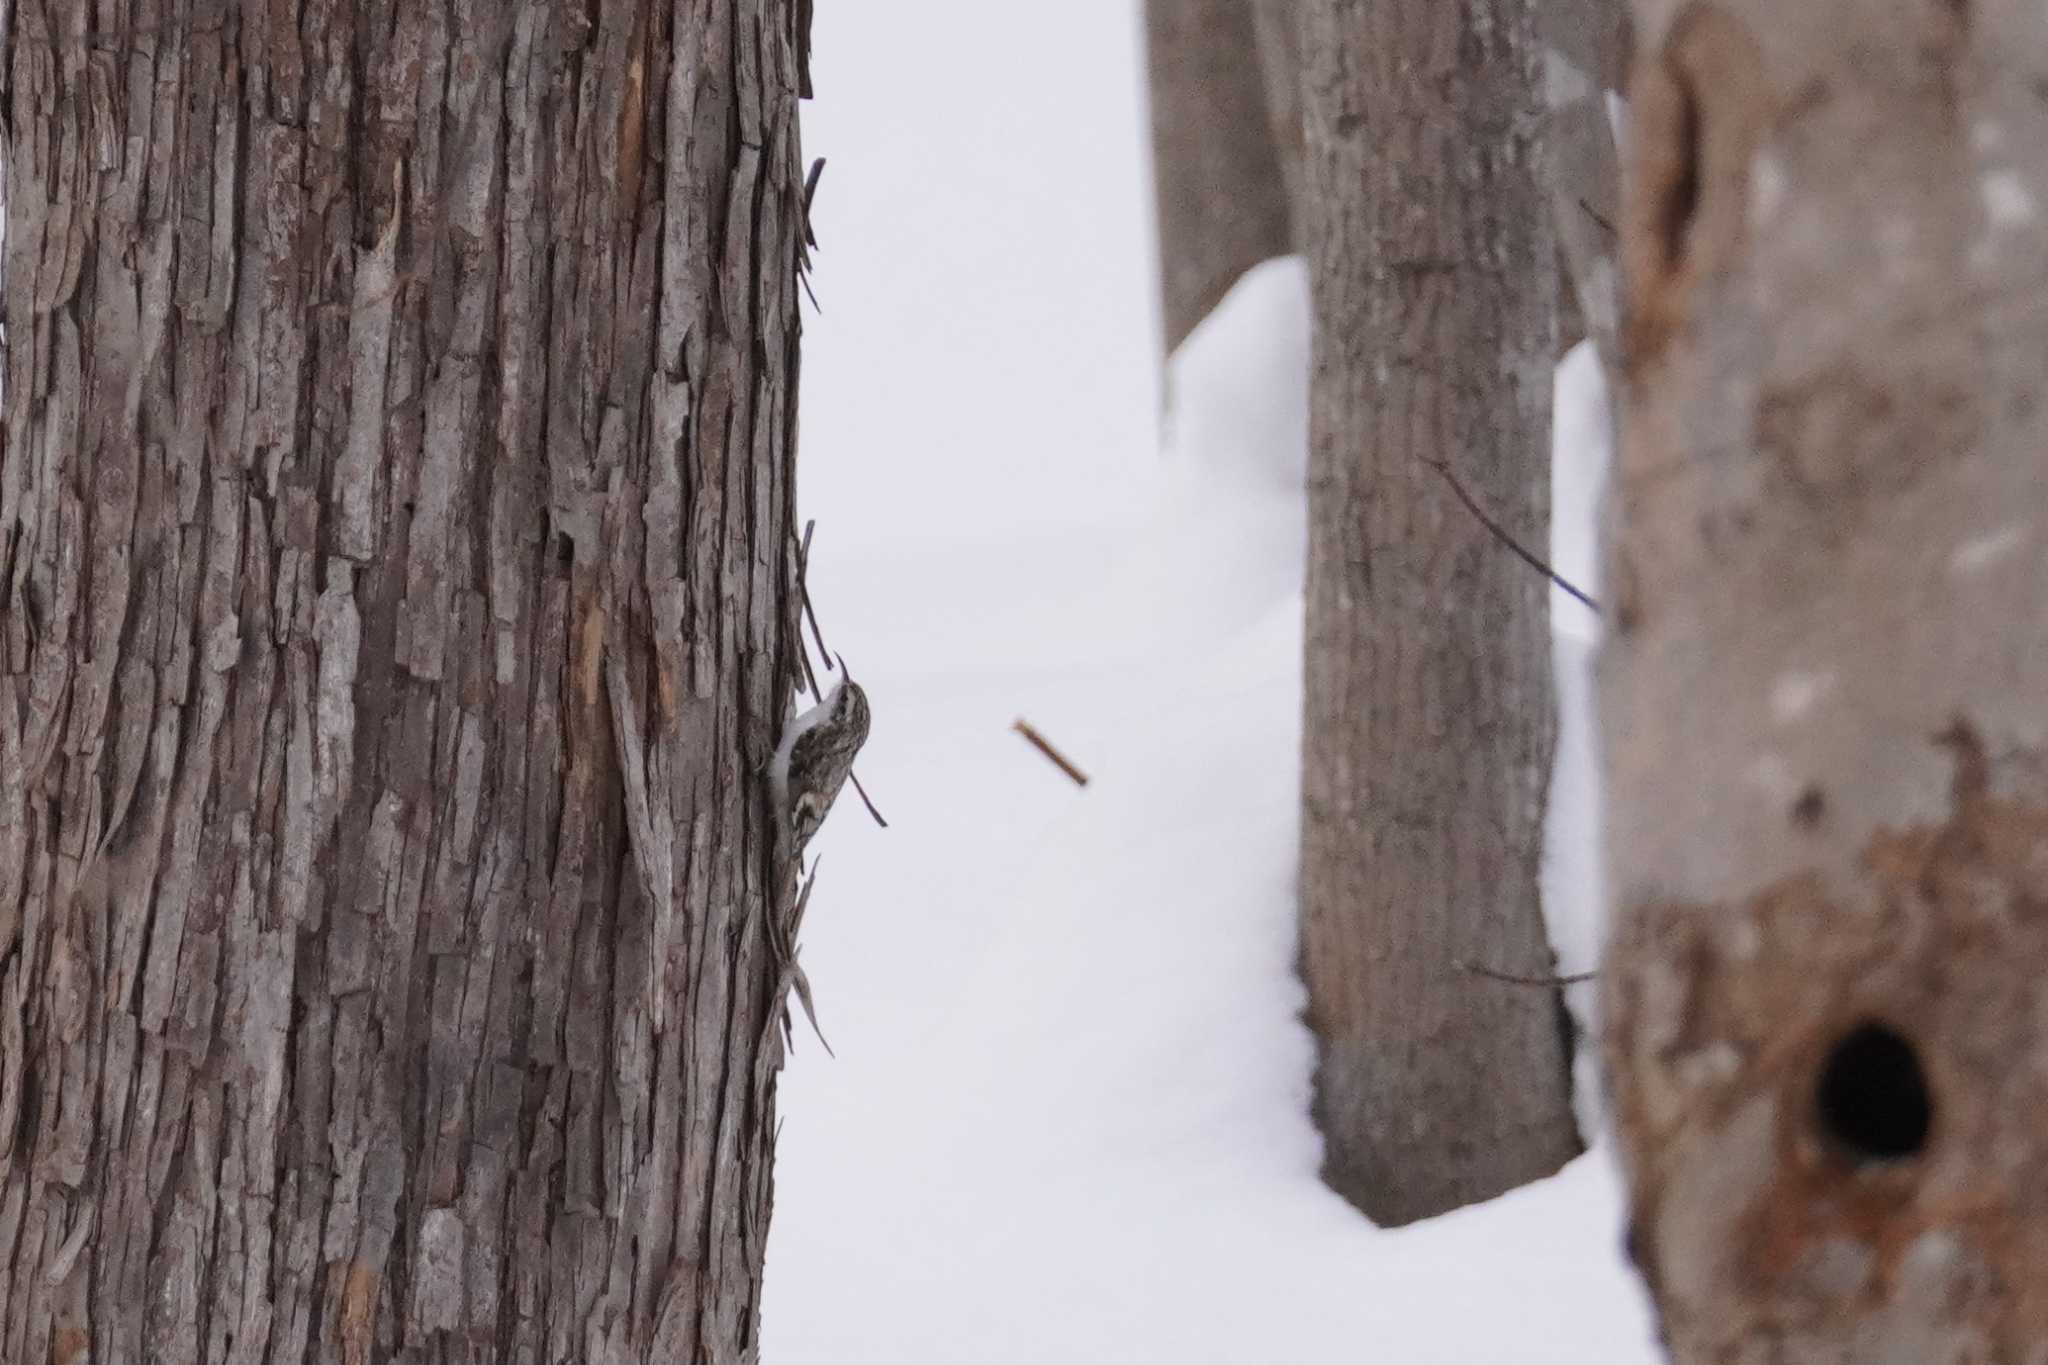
(1068, 1119)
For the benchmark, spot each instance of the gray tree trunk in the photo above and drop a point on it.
(1823, 692)
(1430, 714)
(394, 608)
(1219, 170)
(1207, 158)
(1585, 43)
(1276, 27)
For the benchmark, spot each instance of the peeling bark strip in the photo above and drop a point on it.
(1430, 716)
(393, 613)
(1823, 697)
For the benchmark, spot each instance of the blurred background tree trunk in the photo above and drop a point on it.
(1220, 151)
(394, 515)
(1585, 57)
(1430, 713)
(1822, 689)
(1276, 24)
(1214, 173)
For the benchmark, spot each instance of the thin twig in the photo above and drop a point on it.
(1500, 534)
(1514, 979)
(1598, 217)
(1044, 746)
(864, 799)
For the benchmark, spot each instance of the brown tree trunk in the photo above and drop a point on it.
(1430, 712)
(1823, 692)
(393, 511)
(1218, 169)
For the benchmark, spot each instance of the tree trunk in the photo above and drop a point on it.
(1828, 802)
(1430, 713)
(1593, 38)
(393, 521)
(1276, 28)
(1584, 47)
(1218, 171)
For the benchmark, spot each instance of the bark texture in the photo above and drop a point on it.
(1218, 170)
(1822, 697)
(393, 512)
(1430, 714)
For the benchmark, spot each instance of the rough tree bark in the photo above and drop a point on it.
(1218, 166)
(393, 520)
(1430, 714)
(1828, 802)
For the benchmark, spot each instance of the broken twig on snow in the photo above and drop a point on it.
(1044, 746)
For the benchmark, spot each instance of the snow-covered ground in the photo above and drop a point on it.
(1067, 1123)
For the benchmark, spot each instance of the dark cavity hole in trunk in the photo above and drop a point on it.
(1873, 1100)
